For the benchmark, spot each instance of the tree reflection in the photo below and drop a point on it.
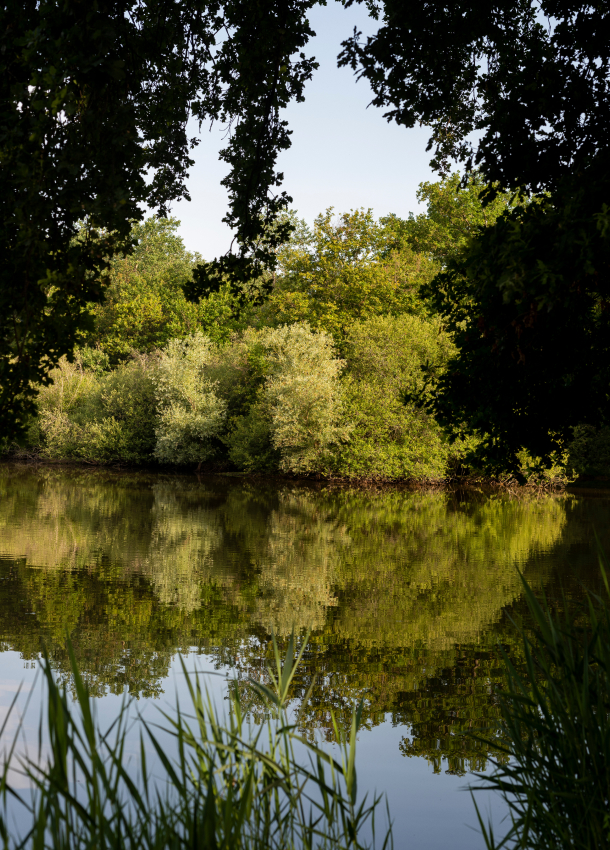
(407, 593)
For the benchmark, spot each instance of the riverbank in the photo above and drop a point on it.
(507, 484)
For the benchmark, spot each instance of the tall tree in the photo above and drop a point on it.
(520, 90)
(95, 98)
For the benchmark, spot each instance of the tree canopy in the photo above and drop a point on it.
(95, 104)
(347, 267)
(520, 89)
(95, 100)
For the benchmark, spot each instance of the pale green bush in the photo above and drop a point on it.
(298, 401)
(191, 414)
(98, 417)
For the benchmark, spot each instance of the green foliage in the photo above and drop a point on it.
(96, 104)
(454, 215)
(528, 299)
(144, 305)
(402, 353)
(390, 359)
(191, 415)
(270, 398)
(527, 305)
(556, 730)
(227, 784)
(249, 443)
(347, 268)
(589, 451)
(530, 77)
(300, 398)
(100, 418)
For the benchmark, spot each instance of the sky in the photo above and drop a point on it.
(343, 155)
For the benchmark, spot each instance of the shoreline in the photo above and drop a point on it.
(594, 486)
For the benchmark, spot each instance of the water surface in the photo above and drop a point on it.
(409, 596)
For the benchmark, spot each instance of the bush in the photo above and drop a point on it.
(389, 359)
(191, 415)
(589, 451)
(294, 419)
(100, 418)
(389, 439)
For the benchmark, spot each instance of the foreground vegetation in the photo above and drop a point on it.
(555, 731)
(229, 785)
(330, 366)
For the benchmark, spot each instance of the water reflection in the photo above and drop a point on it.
(407, 593)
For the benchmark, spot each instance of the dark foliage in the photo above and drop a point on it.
(531, 77)
(94, 101)
(529, 307)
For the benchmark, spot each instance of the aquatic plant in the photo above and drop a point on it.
(556, 731)
(228, 785)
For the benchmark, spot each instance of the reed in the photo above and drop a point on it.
(226, 785)
(556, 731)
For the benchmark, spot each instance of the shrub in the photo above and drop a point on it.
(100, 418)
(389, 439)
(389, 359)
(398, 352)
(191, 415)
(249, 442)
(589, 451)
(298, 401)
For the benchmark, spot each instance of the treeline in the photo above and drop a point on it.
(328, 366)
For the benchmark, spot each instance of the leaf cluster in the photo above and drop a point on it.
(521, 90)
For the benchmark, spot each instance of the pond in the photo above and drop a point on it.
(409, 596)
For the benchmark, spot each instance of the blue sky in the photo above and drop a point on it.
(343, 155)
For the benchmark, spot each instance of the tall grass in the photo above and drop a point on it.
(227, 785)
(556, 731)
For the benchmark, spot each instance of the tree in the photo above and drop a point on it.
(455, 214)
(528, 305)
(94, 101)
(529, 78)
(144, 304)
(528, 299)
(348, 267)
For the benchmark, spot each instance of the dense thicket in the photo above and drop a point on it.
(333, 369)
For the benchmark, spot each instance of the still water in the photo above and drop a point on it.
(408, 594)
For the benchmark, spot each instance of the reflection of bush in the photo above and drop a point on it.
(405, 590)
(396, 569)
(298, 567)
